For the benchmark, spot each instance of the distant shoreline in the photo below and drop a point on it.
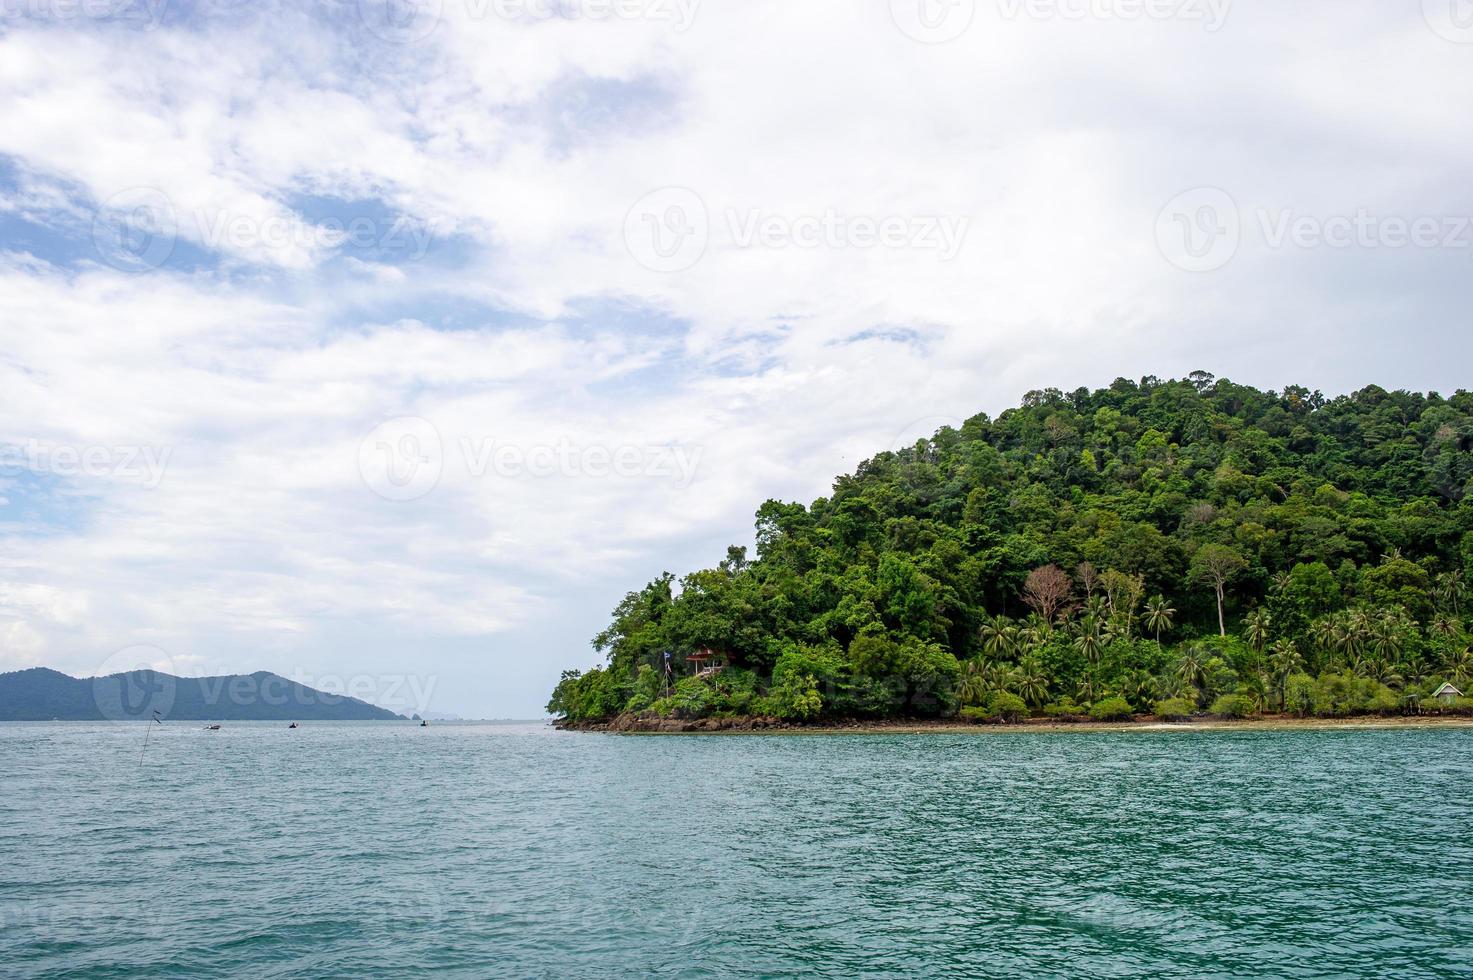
(761, 726)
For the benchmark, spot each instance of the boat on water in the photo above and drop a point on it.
(212, 728)
(292, 725)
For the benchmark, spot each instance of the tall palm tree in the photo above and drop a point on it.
(1323, 632)
(1257, 625)
(1450, 590)
(1283, 660)
(1089, 642)
(1158, 617)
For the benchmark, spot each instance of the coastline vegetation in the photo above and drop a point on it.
(1165, 548)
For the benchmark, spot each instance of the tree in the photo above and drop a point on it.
(1283, 660)
(1256, 628)
(1344, 524)
(1217, 564)
(1158, 617)
(1046, 589)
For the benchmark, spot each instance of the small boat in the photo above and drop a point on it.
(424, 723)
(292, 725)
(212, 728)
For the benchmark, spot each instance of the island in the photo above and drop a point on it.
(42, 694)
(1163, 551)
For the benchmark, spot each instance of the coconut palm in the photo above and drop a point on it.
(1450, 590)
(999, 637)
(1447, 627)
(1158, 617)
(1032, 681)
(1458, 666)
(1192, 668)
(1382, 672)
(1139, 687)
(1256, 628)
(1089, 642)
(1283, 660)
(1324, 634)
(976, 681)
(1413, 668)
(1387, 638)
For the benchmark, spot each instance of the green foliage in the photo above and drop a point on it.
(1110, 709)
(1173, 709)
(1290, 548)
(1008, 707)
(1299, 694)
(1065, 707)
(583, 697)
(647, 689)
(1233, 706)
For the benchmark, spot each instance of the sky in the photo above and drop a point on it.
(386, 344)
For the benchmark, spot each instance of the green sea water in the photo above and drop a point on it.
(384, 850)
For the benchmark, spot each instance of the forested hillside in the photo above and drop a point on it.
(1166, 547)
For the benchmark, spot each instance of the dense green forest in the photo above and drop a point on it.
(1155, 547)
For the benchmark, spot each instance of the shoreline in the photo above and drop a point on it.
(765, 726)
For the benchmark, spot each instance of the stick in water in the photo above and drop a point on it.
(147, 729)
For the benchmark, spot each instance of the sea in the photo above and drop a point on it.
(382, 849)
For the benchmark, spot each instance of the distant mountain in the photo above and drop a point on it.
(41, 694)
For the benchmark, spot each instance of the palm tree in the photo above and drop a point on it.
(1387, 638)
(1384, 672)
(1032, 681)
(1170, 685)
(1450, 589)
(1447, 626)
(1413, 668)
(999, 636)
(976, 681)
(1192, 669)
(1459, 666)
(1257, 625)
(1323, 632)
(1283, 660)
(1087, 687)
(1158, 617)
(1089, 641)
(1034, 632)
(1140, 687)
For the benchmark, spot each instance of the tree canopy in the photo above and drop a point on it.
(1196, 542)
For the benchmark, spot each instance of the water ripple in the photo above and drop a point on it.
(478, 850)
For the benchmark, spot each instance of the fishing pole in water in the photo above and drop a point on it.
(147, 730)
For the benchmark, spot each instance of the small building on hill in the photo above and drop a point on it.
(1447, 693)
